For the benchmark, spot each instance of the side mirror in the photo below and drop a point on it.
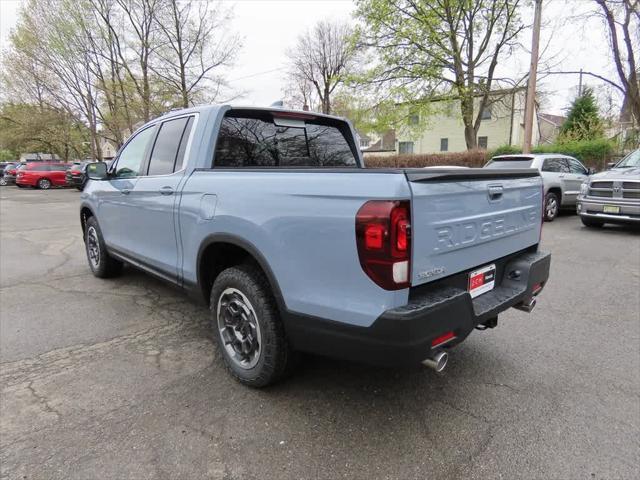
(610, 165)
(591, 170)
(97, 171)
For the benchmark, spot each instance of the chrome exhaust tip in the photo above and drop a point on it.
(527, 305)
(437, 361)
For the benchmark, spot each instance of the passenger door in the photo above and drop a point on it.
(116, 215)
(155, 196)
(578, 174)
(554, 172)
(57, 175)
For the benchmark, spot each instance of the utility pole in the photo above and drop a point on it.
(533, 74)
(580, 85)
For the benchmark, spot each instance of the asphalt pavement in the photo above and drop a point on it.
(120, 379)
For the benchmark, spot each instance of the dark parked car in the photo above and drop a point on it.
(10, 172)
(43, 175)
(76, 176)
(3, 165)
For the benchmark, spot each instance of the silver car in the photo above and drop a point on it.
(612, 196)
(562, 177)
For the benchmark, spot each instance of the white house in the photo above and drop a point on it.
(502, 124)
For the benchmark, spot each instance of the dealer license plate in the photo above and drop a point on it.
(610, 209)
(482, 280)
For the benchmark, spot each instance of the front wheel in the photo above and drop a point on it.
(551, 207)
(248, 328)
(101, 263)
(44, 184)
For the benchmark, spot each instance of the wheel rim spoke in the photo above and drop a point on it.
(239, 328)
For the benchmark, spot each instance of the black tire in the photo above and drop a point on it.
(551, 207)
(44, 184)
(274, 359)
(102, 265)
(588, 222)
(3, 182)
(80, 188)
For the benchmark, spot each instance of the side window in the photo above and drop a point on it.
(166, 147)
(131, 157)
(41, 168)
(557, 165)
(576, 167)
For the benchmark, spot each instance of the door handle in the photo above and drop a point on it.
(166, 191)
(561, 176)
(125, 191)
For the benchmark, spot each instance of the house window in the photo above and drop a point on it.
(414, 119)
(405, 147)
(482, 142)
(364, 142)
(486, 113)
(444, 144)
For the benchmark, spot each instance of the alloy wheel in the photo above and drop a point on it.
(93, 247)
(238, 328)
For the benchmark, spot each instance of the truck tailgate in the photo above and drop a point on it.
(466, 218)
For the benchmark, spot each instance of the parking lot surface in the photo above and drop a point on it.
(114, 379)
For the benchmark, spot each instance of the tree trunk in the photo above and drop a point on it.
(470, 133)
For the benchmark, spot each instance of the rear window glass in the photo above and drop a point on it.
(256, 141)
(523, 162)
(165, 151)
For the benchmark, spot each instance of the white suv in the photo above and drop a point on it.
(562, 177)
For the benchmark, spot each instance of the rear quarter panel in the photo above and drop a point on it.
(303, 223)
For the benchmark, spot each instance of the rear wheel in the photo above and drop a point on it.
(44, 184)
(588, 222)
(551, 207)
(101, 263)
(248, 328)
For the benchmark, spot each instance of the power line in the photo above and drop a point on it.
(257, 74)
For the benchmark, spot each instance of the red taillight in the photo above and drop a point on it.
(536, 289)
(444, 338)
(383, 237)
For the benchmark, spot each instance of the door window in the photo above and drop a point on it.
(576, 167)
(131, 157)
(557, 165)
(164, 156)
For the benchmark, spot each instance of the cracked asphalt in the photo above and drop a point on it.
(120, 379)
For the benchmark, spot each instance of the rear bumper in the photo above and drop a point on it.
(593, 209)
(404, 335)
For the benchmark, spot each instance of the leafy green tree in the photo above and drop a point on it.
(426, 48)
(7, 155)
(583, 121)
(31, 128)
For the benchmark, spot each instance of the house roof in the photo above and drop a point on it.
(556, 120)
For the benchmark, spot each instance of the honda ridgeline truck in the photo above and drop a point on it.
(271, 218)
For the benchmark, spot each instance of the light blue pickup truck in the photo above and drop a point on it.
(270, 217)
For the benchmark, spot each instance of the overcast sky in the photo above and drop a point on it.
(269, 27)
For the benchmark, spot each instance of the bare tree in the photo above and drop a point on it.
(300, 93)
(196, 45)
(432, 48)
(323, 57)
(622, 18)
